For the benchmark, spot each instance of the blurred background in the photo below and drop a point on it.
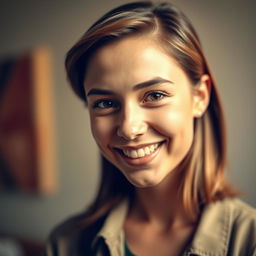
(228, 34)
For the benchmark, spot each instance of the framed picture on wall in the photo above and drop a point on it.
(27, 148)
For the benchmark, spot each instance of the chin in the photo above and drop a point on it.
(142, 181)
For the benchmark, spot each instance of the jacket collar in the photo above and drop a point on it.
(112, 230)
(114, 222)
(211, 236)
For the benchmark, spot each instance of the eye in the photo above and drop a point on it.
(105, 104)
(155, 96)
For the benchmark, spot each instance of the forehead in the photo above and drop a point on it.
(131, 60)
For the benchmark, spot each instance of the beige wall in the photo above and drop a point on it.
(227, 30)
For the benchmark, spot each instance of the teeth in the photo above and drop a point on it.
(147, 151)
(141, 152)
(134, 154)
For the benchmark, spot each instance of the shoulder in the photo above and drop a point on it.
(235, 209)
(226, 227)
(242, 230)
(242, 222)
(237, 222)
(240, 213)
(73, 235)
(242, 208)
(85, 234)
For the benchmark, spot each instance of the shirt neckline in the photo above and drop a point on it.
(213, 229)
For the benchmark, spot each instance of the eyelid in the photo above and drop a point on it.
(162, 92)
(95, 99)
(103, 100)
(157, 91)
(102, 111)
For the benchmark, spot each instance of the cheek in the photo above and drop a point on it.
(101, 129)
(172, 120)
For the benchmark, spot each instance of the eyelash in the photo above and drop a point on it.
(158, 96)
(111, 104)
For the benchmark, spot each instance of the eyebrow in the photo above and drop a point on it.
(145, 84)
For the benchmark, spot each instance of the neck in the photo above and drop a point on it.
(161, 205)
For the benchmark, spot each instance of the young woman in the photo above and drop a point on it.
(157, 118)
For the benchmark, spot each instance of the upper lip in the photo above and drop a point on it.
(133, 147)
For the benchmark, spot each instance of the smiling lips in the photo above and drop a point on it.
(138, 156)
(139, 152)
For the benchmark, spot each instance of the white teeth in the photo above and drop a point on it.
(134, 154)
(141, 152)
(147, 150)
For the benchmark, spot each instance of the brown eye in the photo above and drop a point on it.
(105, 104)
(155, 96)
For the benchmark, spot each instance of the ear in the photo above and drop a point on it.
(201, 96)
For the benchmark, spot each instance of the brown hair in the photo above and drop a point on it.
(204, 181)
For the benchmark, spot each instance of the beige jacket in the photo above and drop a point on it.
(226, 228)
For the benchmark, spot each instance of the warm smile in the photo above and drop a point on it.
(140, 155)
(141, 152)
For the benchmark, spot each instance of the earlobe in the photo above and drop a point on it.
(201, 96)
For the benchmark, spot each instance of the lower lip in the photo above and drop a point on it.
(141, 160)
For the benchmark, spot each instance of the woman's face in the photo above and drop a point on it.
(141, 109)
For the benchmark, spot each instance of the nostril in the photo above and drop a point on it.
(126, 135)
(132, 131)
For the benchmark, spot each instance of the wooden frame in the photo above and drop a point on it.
(27, 148)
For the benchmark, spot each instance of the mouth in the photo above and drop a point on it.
(141, 152)
(139, 155)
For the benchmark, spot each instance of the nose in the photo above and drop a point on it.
(132, 123)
